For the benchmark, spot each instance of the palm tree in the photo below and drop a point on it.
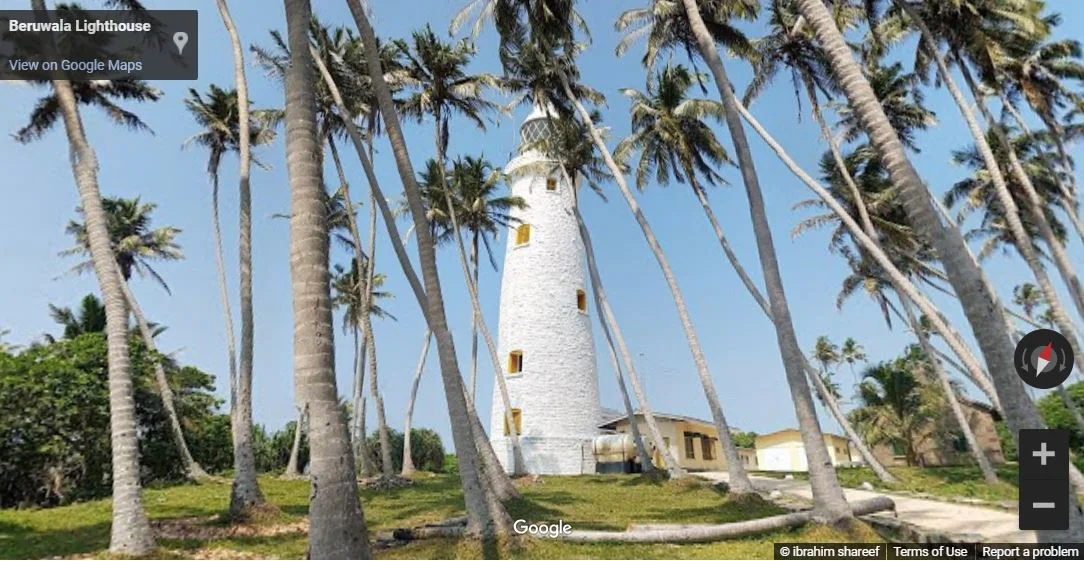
(686, 30)
(337, 523)
(88, 318)
(826, 353)
(133, 241)
(97, 93)
(482, 211)
(980, 21)
(485, 515)
(352, 293)
(135, 244)
(980, 303)
(852, 352)
(229, 126)
(1036, 70)
(894, 407)
(245, 493)
(439, 85)
(130, 532)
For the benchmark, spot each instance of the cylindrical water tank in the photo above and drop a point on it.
(610, 448)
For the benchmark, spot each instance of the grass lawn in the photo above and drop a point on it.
(948, 482)
(187, 518)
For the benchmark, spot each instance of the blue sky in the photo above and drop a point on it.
(740, 345)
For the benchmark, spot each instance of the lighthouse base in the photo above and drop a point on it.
(549, 455)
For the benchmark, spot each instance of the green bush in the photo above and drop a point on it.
(54, 421)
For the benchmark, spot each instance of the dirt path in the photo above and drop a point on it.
(966, 522)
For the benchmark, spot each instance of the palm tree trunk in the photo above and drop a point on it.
(408, 459)
(980, 304)
(1035, 209)
(357, 427)
(939, 322)
(386, 467)
(337, 524)
(486, 516)
(499, 484)
(245, 492)
(192, 469)
(611, 331)
(293, 470)
(130, 533)
(739, 480)
(519, 465)
(828, 499)
(473, 323)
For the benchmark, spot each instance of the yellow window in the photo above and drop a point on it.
(523, 234)
(581, 300)
(551, 184)
(515, 362)
(517, 419)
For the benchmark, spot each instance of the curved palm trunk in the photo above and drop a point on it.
(245, 493)
(408, 459)
(980, 304)
(518, 463)
(293, 470)
(974, 370)
(130, 533)
(739, 480)
(337, 524)
(611, 331)
(828, 499)
(192, 469)
(1034, 207)
(486, 516)
(499, 484)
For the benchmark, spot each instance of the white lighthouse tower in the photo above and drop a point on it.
(545, 330)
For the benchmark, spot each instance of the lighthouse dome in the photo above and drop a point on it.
(537, 126)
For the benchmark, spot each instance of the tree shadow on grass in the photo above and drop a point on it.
(21, 542)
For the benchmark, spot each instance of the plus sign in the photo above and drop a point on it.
(1042, 453)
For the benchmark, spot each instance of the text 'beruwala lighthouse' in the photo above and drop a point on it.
(545, 330)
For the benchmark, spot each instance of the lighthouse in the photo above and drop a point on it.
(545, 339)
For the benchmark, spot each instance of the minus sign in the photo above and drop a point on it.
(1042, 505)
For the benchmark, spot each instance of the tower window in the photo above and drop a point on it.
(517, 419)
(523, 234)
(515, 362)
(581, 301)
(551, 184)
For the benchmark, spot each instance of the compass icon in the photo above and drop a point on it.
(1043, 359)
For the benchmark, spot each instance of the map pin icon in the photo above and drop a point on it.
(180, 39)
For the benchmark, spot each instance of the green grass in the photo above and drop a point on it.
(947, 482)
(587, 502)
